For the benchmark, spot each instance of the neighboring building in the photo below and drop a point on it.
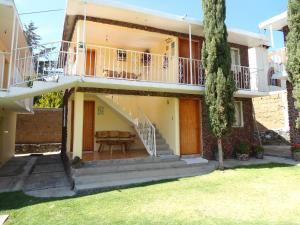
(280, 23)
(11, 35)
(271, 112)
(127, 70)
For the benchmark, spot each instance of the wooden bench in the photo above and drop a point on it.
(113, 138)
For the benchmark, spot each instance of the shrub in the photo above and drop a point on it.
(295, 149)
(244, 148)
(258, 149)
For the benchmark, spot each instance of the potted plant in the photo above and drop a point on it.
(259, 151)
(296, 153)
(243, 151)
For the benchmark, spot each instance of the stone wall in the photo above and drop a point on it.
(44, 126)
(272, 119)
(238, 135)
(270, 111)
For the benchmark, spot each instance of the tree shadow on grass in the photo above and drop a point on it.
(261, 166)
(18, 200)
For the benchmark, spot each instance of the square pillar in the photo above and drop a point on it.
(259, 65)
(78, 124)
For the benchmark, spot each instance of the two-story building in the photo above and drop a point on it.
(134, 83)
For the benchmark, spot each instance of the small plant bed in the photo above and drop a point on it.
(243, 152)
(296, 153)
(258, 152)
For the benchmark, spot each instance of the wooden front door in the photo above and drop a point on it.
(90, 62)
(184, 52)
(88, 126)
(190, 124)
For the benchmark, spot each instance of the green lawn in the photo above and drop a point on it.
(268, 194)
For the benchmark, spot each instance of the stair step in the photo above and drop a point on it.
(107, 181)
(160, 141)
(162, 146)
(164, 152)
(129, 167)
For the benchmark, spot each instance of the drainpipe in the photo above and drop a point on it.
(191, 52)
(11, 51)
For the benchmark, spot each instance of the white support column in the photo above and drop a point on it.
(84, 37)
(258, 63)
(272, 36)
(80, 50)
(15, 56)
(78, 124)
(191, 52)
(11, 52)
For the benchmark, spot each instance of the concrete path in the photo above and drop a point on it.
(231, 163)
(14, 173)
(48, 178)
(278, 150)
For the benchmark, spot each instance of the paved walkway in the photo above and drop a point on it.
(39, 176)
(14, 173)
(230, 163)
(48, 178)
(278, 150)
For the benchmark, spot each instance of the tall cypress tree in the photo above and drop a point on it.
(220, 84)
(293, 50)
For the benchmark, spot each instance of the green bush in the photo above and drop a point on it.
(258, 149)
(244, 148)
(296, 149)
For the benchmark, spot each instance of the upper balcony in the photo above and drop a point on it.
(106, 64)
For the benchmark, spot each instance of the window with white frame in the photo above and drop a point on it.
(239, 119)
(235, 56)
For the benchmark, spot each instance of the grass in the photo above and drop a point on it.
(265, 194)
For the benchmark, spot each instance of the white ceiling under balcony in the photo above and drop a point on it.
(122, 37)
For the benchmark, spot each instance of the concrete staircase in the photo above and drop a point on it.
(107, 174)
(162, 147)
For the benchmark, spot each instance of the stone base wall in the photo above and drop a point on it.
(238, 135)
(274, 137)
(270, 112)
(37, 148)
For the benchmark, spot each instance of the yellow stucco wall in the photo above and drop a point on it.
(7, 135)
(164, 112)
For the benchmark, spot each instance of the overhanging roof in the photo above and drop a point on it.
(131, 14)
(277, 22)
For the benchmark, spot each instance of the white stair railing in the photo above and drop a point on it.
(146, 132)
(142, 124)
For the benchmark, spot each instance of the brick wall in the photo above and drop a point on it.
(293, 114)
(44, 126)
(238, 135)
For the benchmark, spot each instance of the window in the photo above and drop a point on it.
(239, 120)
(122, 55)
(235, 56)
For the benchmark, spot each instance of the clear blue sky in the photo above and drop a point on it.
(242, 14)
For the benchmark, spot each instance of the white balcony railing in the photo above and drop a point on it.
(68, 58)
